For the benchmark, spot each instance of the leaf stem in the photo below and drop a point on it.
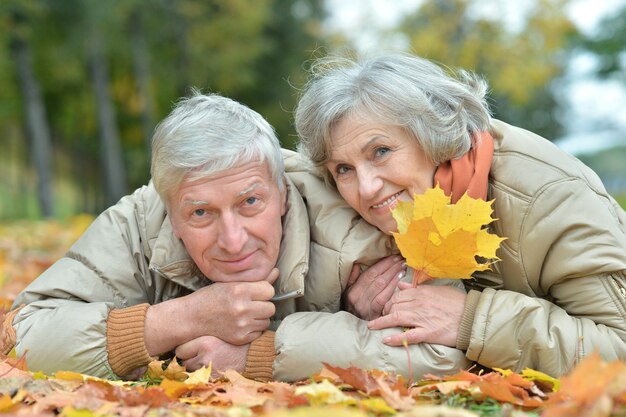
(419, 277)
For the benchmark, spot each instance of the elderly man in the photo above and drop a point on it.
(207, 260)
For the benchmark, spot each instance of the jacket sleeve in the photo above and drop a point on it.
(573, 253)
(307, 339)
(62, 324)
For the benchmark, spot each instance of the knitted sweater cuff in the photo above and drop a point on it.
(7, 339)
(125, 339)
(260, 360)
(465, 329)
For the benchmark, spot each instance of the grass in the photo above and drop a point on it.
(621, 199)
(484, 408)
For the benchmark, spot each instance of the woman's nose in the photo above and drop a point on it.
(370, 183)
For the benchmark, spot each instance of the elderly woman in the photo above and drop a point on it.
(385, 128)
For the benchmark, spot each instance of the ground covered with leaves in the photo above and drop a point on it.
(594, 388)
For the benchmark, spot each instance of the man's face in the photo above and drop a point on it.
(230, 223)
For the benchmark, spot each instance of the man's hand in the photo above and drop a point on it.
(367, 293)
(236, 312)
(208, 349)
(433, 314)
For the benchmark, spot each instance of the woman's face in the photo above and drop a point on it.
(375, 165)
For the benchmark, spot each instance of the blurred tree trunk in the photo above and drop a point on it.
(37, 127)
(141, 66)
(180, 27)
(111, 150)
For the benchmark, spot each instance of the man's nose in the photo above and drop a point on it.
(232, 234)
(370, 183)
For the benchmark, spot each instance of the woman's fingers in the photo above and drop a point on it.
(354, 274)
(411, 336)
(371, 289)
(394, 319)
(382, 301)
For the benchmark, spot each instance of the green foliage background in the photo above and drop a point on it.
(254, 51)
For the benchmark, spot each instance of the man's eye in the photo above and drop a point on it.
(199, 212)
(251, 200)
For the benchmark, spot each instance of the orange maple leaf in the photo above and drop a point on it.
(590, 389)
(443, 240)
(358, 378)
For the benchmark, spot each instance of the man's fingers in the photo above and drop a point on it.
(242, 336)
(385, 309)
(273, 276)
(404, 285)
(248, 316)
(186, 350)
(260, 290)
(191, 365)
(265, 310)
(256, 328)
(250, 337)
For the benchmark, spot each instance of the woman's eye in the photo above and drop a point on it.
(341, 169)
(381, 151)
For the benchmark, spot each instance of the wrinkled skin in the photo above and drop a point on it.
(230, 224)
(374, 166)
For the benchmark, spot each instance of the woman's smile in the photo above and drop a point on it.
(388, 202)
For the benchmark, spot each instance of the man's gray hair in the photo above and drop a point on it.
(441, 111)
(206, 134)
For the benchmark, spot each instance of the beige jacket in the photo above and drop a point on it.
(129, 256)
(559, 292)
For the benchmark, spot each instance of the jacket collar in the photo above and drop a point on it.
(171, 260)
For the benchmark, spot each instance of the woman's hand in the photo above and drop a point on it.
(432, 314)
(367, 292)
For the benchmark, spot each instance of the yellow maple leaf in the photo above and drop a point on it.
(172, 388)
(443, 240)
(200, 376)
(324, 393)
(533, 375)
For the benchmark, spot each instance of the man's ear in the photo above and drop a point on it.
(283, 198)
(168, 209)
(174, 228)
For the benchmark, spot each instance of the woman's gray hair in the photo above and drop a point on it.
(206, 134)
(441, 111)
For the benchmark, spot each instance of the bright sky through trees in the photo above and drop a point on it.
(591, 102)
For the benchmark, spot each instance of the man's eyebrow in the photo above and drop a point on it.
(195, 203)
(249, 189)
(239, 194)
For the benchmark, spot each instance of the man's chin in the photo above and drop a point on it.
(248, 275)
